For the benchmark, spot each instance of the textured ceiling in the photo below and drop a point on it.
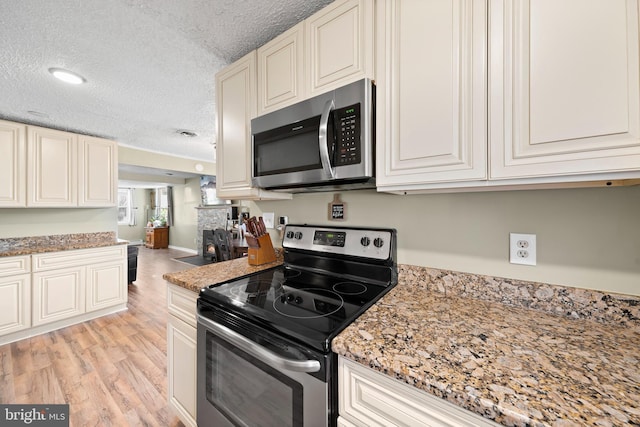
(150, 65)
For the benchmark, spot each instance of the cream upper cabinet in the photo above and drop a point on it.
(339, 42)
(41, 167)
(330, 49)
(431, 93)
(564, 88)
(236, 106)
(281, 71)
(97, 172)
(13, 151)
(236, 103)
(52, 167)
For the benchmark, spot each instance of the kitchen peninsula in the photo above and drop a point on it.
(519, 353)
(50, 282)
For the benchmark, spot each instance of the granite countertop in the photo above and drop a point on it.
(55, 243)
(515, 365)
(197, 278)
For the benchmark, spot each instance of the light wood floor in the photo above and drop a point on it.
(111, 371)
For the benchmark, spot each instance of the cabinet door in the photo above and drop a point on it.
(58, 294)
(340, 44)
(281, 70)
(431, 93)
(97, 172)
(13, 152)
(369, 398)
(106, 285)
(15, 303)
(181, 352)
(236, 104)
(564, 87)
(52, 168)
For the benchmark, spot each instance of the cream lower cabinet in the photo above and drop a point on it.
(13, 155)
(369, 398)
(182, 353)
(100, 289)
(70, 284)
(58, 295)
(15, 294)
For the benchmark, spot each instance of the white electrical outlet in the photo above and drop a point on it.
(522, 249)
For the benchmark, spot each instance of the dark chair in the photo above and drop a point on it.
(223, 241)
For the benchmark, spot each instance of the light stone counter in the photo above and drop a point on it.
(55, 243)
(573, 361)
(197, 278)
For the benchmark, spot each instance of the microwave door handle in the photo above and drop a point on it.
(323, 138)
(257, 351)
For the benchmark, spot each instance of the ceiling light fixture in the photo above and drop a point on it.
(67, 76)
(187, 133)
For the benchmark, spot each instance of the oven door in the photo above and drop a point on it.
(242, 383)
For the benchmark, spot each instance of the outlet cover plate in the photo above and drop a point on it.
(522, 249)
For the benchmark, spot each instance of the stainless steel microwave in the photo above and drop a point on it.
(321, 144)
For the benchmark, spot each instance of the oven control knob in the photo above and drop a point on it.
(365, 241)
(378, 242)
(298, 300)
(290, 297)
(289, 234)
(298, 235)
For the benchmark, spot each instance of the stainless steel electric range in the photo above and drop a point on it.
(264, 340)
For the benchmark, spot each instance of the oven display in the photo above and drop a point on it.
(329, 238)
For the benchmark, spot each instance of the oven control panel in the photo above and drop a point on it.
(369, 243)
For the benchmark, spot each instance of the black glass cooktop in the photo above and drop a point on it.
(309, 307)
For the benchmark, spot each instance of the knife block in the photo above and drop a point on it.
(264, 254)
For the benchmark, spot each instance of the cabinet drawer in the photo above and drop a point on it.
(14, 265)
(182, 304)
(369, 398)
(62, 259)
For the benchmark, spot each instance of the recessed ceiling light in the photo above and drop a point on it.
(67, 76)
(187, 133)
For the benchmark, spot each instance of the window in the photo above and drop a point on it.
(124, 207)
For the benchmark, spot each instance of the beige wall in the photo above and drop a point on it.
(140, 203)
(182, 234)
(185, 199)
(588, 238)
(44, 222)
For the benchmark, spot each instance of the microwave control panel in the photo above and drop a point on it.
(347, 120)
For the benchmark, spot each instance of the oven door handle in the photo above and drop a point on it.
(259, 352)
